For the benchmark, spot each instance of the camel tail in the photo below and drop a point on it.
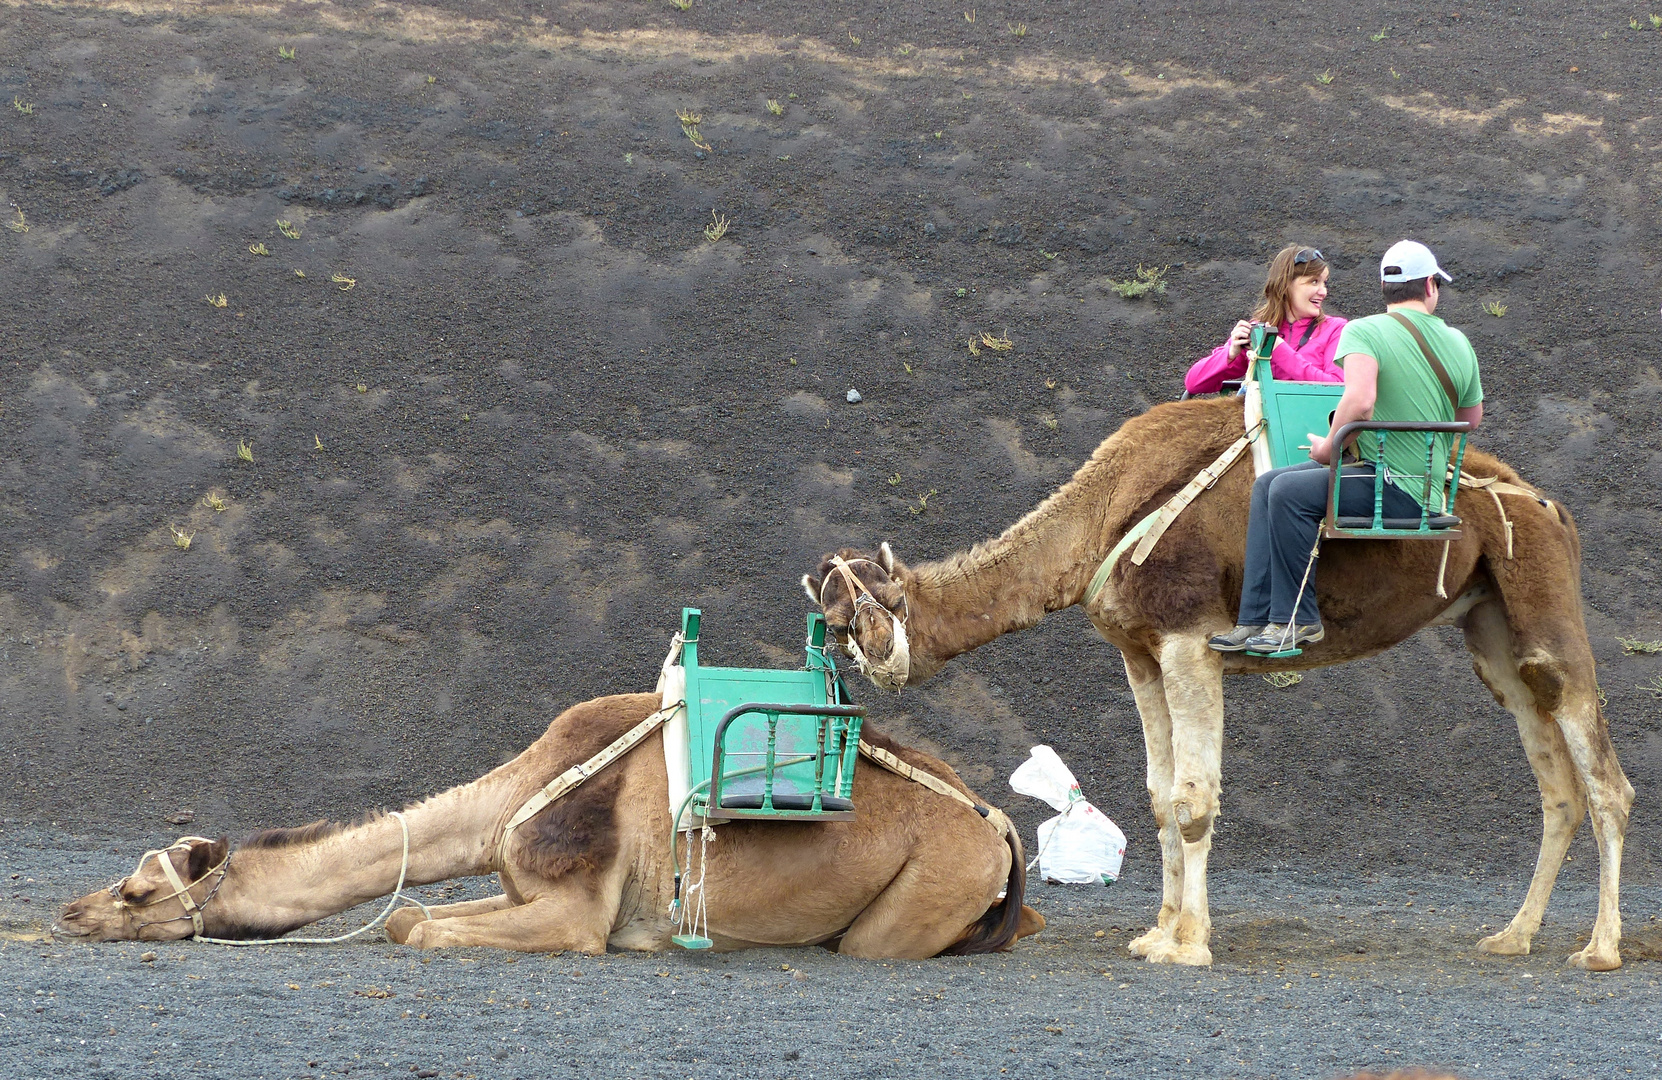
(996, 931)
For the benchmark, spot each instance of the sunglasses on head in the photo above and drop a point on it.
(1304, 255)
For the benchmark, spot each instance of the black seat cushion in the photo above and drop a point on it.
(785, 801)
(1438, 521)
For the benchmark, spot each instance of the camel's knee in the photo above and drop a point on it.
(401, 922)
(1194, 805)
(1564, 815)
(1159, 800)
(1546, 678)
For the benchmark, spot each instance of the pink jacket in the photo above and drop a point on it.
(1313, 363)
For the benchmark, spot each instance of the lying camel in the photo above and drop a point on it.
(1514, 574)
(915, 874)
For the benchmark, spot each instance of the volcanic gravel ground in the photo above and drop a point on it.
(508, 410)
(1316, 974)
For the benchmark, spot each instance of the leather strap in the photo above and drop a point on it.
(180, 889)
(1147, 532)
(993, 814)
(579, 773)
(1437, 367)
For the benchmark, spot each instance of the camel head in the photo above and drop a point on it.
(148, 904)
(864, 600)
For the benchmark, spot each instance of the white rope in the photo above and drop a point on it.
(403, 870)
(694, 921)
(1292, 620)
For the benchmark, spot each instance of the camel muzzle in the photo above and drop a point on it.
(892, 671)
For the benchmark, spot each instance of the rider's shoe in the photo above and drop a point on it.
(1236, 639)
(1277, 638)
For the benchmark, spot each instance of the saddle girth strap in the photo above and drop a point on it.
(578, 773)
(995, 817)
(1147, 532)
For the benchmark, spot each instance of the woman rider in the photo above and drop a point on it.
(1293, 294)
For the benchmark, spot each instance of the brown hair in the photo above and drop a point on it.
(1400, 292)
(1284, 270)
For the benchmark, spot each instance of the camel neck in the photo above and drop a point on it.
(287, 878)
(1040, 564)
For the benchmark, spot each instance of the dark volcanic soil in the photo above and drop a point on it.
(518, 410)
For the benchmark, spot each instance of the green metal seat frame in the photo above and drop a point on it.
(766, 743)
(1294, 409)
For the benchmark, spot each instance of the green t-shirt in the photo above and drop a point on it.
(1409, 391)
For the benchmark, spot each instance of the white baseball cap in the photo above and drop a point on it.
(1409, 260)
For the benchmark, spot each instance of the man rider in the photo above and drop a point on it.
(1387, 378)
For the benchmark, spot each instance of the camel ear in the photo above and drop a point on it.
(204, 856)
(811, 587)
(885, 558)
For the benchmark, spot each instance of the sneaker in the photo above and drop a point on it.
(1277, 638)
(1236, 639)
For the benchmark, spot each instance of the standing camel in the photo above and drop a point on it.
(1518, 600)
(913, 875)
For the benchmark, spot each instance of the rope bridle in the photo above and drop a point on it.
(181, 891)
(193, 910)
(892, 673)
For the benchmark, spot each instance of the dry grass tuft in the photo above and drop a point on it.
(717, 228)
(1149, 280)
(181, 538)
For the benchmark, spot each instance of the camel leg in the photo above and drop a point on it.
(927, 906)
(1193, 678)
(1147, 687)
(1609, 797)
(399, 923)
(1562, 805)
(1569, 749)
(567, 918)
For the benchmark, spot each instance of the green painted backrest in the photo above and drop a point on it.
(1295, 410)
(712, 691)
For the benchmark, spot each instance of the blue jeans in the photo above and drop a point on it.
(1287, 510)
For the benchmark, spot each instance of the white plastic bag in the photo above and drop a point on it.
(1079, 846)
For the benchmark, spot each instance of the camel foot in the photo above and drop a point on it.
(1174, 952)
(1143, 945)
(1505, 943)
(401, 922)
(416, 936)
(1589, 959)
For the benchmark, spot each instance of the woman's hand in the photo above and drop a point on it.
(1321, 448)
(1238, 337)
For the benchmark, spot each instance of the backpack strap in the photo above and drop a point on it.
(1437, 367)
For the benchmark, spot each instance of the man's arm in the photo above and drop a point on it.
(1471, 414)
(1361, 389)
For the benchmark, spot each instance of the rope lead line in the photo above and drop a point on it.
(403, 870)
